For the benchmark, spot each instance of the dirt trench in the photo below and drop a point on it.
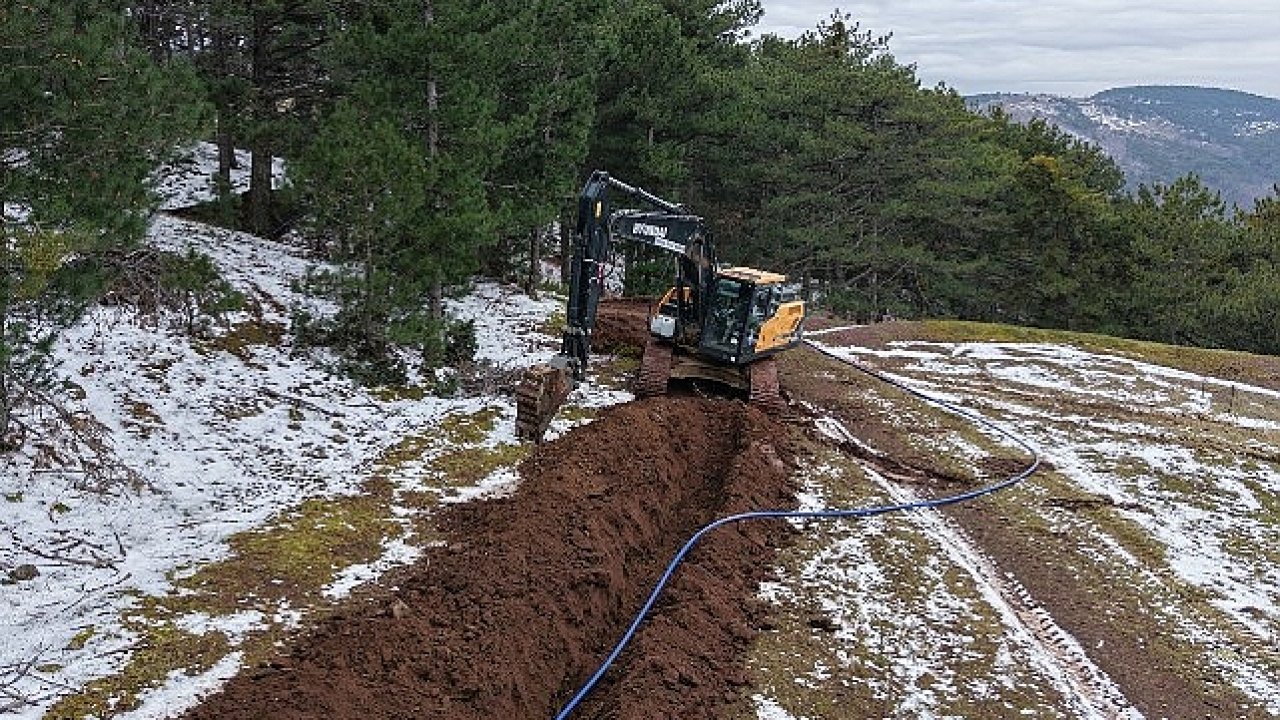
(531, 591)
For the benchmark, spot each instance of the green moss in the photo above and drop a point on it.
(392, 393)
(469, 429)
(617, 371)
(577, 413)
(411, 448)
(79, 639)
(471, 465)
(300, 552)
(161, 649)
(242, 338)
(1269, 514)
(464, 463)
(554, 325)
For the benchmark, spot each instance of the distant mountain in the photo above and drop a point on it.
(1159, 133)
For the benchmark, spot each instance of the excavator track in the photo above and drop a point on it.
(765, 392)
(655, 369)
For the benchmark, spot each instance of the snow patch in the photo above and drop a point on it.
(226, 438)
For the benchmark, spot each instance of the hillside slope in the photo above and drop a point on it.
(1159, 133)
(286, 542)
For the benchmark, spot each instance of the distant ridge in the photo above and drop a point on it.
(1157, 133)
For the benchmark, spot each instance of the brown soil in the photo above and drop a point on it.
(621, 324)
(532, 591)
(1156, 670)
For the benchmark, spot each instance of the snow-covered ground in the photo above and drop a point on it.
(1187, 458)
(1194, 522)
(189, 179)
(1107, 120)
(226, 437)
(1257, 127)
(222, 440)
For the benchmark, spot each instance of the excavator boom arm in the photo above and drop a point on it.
(668, 227)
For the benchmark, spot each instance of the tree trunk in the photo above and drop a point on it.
(260, 167)
(433, 93)
(226, 146)
(6, 402)
(535, 264)
(226, 151)
(260, 187)
(366, 312)
(435, 302)
(566, 248)
(433, 121)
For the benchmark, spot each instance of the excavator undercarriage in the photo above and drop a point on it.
(655, 369)
(661, 363)
(544, 388)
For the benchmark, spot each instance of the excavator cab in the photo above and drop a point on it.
(750, 316)
(725, 327)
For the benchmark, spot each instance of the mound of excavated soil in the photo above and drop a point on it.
(531, 591)
(621, 323)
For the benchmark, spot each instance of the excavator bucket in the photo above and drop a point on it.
(539, 395)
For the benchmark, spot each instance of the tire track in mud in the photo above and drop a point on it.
(1061, 658)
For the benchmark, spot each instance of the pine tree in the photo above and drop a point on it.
(1184, 251)
(84, 117)
(259, 61)
(364, 178)
(1252, 294)
(661, 60)
(283, 42)
(823, 136)
(416, 78)
(549, 60)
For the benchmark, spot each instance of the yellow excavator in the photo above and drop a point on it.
(724, 325)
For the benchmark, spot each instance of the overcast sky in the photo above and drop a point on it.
(1065, 47)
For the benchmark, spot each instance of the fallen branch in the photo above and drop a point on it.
(103, 469)
(85, 593)
(300, 402)
(22, 669)
(98, 563)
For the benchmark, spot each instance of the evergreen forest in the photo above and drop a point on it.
(431, 140)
